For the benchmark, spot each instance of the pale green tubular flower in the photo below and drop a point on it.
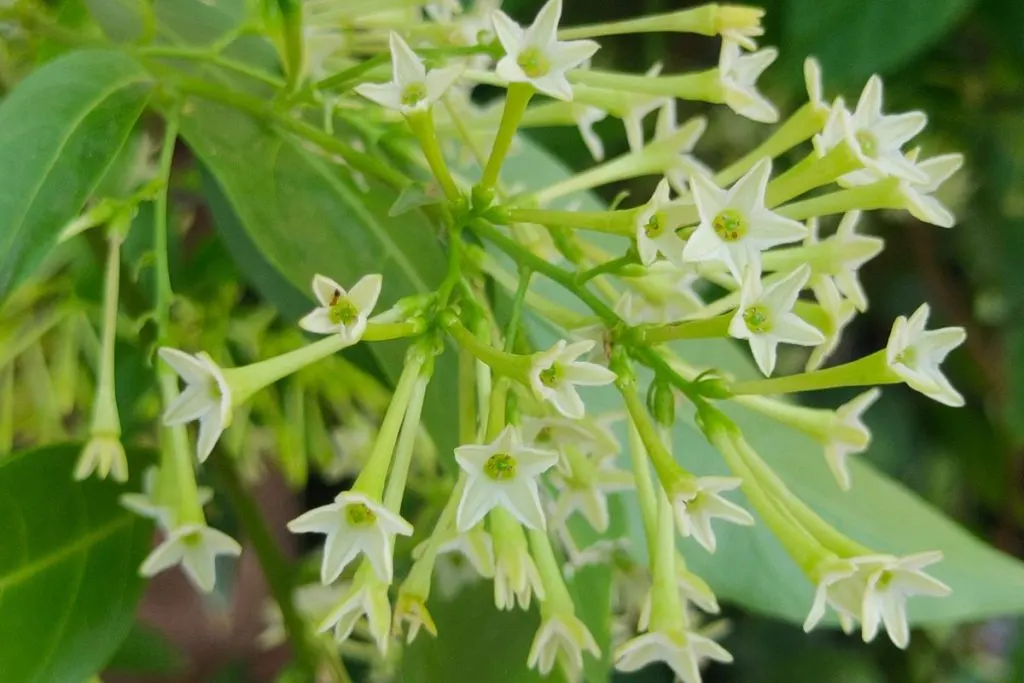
(196, 548)
(586, 486)
(890, 581)
(914, 354)
(516, 578)
(554, 375)
(654, 234)
(738, 73)
(698, 500)
(918, 195)
(367, 596)
(563, 638)
(412, 88)
(682, 650)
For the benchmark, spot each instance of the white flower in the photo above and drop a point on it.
(838, 586)
(104, 455)
(697, 501)
(503, 472)
(849, 252)
(312, 601)
(692, 589)
(412, 88)
(354, 524)
(516, 578)
(735, 226)
(476, 546)
(849, 435)
(738, 73)
(563, 637)
(682, 650)
(876, 138)
(412, 610)
(590, 435)
(662, 295)
(145, 504)
(915, 354)
(839, 313)
(555, 373)
(207, 397)
(765, 317)
(585, 117)
(587, 487)
(681, 140)
(536, 56)
(918, 195)
(367, 596)
(654, 233)
(812, 81)
(890, 581)
(352, 443)
(195, 547)
(638, 109)
(342, 312)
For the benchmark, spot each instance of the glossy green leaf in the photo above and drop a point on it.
(750, 567)
(52, 156)
(145, 651)
(856, 39)
(68, 567)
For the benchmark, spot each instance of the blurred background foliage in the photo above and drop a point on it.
(961, 61)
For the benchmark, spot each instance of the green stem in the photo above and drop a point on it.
(516, 101)
(161, 267)
(645, 492)
(611, 267)
(510, 364)
(512, 331)
(800, 127)
(556, 594)
(811, 172)
(703, 86)
(405, 447)
(881, 195)
(665, 466)
(279, 576)
(613, 222)
(867, 371)
(422, 125)
(105, 419)
(706, 328)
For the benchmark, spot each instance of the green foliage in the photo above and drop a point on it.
(145, 651)
(93, 99)
(68, 567)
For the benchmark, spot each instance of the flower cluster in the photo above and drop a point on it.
(734, 254)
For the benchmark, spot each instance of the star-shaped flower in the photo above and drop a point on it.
(412, 611)
(366, 597)
(918, 195)
(915, 354)
(476, 546)
(516, 578)
(354, 524)
(738, 73)
(838, 586)
(103, 454)
(206, 397)
(586, 488)
(146, 505)
(664, 294)
(195, 547)
(697, 501)
(554, 432)
(342, 312)
(586, 116)
(735, 226)
(555, 373)
(682, 650)
(875, 137)
(765, 317)
(681, 140)
(848, 253)
(849, 435)
(412, 88)
(564, 638)
(839, 313)
(503, 472)
(536, 56)
(890, 581)
(654, 233)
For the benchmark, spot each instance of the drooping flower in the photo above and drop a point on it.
(104, 455)
(146, 504)
(586, 116)
(412, 611)
(207, 397)
(697, 502)
(555, 373)
(890, 581)
(850, 435)
(682, 650)
(654, 233)
(342, 312)
(586, 488)
(353, 524)
(735, 226)
(516, 578)
(738, 73)
(669, 135)
(765, 317)
(664, 294)
(915, 355)
(502, 473)
(536, 56)
(839, 313)
(920, 202)
(195, 547)
(412, 88)
(875, 137)
(562, 638)
(366, 597)
(837, 586)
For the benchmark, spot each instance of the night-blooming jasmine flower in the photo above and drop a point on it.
(765, 317)
(104, 455)
(516, 578)
(849, 252)
(561, 637)
(503, 472)
(837, 586)
(876, 138)
(738, 73)
(918, 195)
(354, 524)
(585, 117)
(367, 596)
(682, 650)
(555, 373)
(146, 505)
(195, 547)
(586, 488)
(850, 435)
(342, 312)
(654, 233)
(915, 354)
(412, 88)
(735, 226)
(681, 140)
(839, 313)
(554, 432)
(890, 581)
(664, 294)
(696, 502)
(692, 589)
(206, 397)
(536, 56)
(476, 546)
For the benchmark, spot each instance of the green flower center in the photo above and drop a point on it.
(730, 225)
(908, 357)
(342, 311)
(757, 319)
(552, 377)
(654, 227)
(500, 467)
(359, 514)
(413, 94)
(533, 62)
(868, 143)
(883, 581)
(544, 435)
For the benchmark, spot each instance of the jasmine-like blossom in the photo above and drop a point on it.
(654, 234)
(554, 375)
(738, 73)
(343, 312)
(206, 397)
(536, 56)
(586, 116)
(587, 492)
(915, 355)
(412, 88)
(850, 435)
(890, 581)
(196, 548)
(682, 650)
(681, 140)
(366, 597)
(918, 195)
(698, 501)
(562, 638)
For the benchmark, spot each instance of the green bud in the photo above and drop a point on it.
(661, 402)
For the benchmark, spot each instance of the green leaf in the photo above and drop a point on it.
(856, 39)
(59, 131)
(287, 212)
(750, 567)
(68, 567)
(145, 651)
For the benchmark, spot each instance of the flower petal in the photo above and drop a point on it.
(188, 367)
(318, 321)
